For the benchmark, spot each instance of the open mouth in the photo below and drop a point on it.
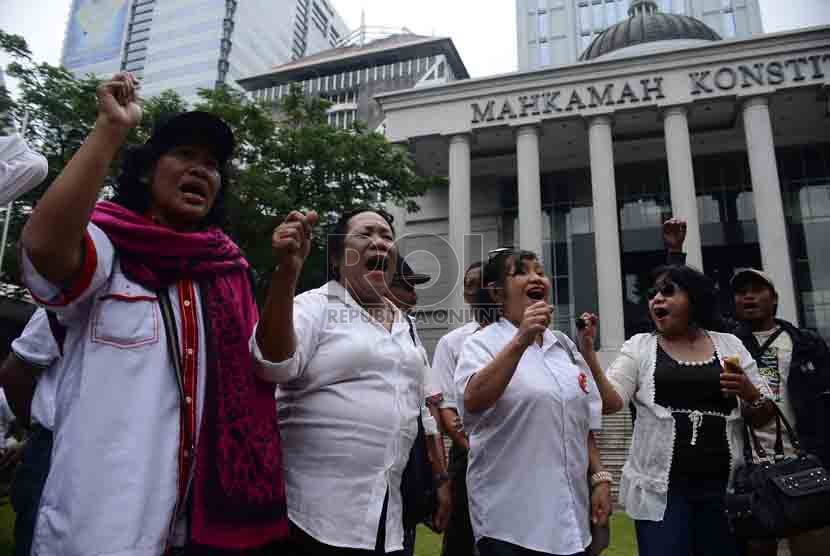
(194, 189)
(377, 263)
(750, 306)
(660, 312)
(536, 294)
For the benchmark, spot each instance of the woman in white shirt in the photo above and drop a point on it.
(529, 404)
(351, 384)
(687, 435)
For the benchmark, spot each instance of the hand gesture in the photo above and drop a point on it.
(118, 103)
(674, 234)
(535, 321)
(601, 508)
(291, 241)
(587, 333)
(12, 456)
(733, 382)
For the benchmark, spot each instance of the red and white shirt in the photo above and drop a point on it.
(125, 424)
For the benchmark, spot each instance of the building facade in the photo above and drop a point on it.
(351, 75)
(556, 32)
(583, 163)
(186, 45)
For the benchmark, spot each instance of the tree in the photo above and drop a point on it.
(299, 162)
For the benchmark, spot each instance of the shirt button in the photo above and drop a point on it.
(187, 303)
(190, 351)
(188, 400)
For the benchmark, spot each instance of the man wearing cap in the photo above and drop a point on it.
(403, 294)
(795, 364)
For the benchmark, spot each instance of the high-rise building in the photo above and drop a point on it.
(350, 75)
(186, 45)
(557, 32)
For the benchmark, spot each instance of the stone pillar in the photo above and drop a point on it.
(606, 233)
(530, 192)
(682, 180)
(459, 213)
(769, 206)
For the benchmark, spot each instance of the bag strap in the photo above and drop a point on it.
(172, 337)
(768, 343)
(749, 431)
(563, 340)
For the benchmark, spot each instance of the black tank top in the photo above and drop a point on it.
(692, 392)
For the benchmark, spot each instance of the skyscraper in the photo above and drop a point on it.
(186, 45)
(556, 32)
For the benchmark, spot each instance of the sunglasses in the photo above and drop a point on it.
(667, 289)
(493, 253)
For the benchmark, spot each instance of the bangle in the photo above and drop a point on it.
(757, 404)
(440, 478)
(601, 477)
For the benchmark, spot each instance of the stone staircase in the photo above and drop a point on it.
(613, 444)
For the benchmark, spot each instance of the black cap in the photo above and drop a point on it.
(201, 128)
(405, 274)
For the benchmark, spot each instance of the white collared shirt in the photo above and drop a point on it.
(36, 346)
(527, 478)
(445, 360)
(21, 168)
(112, 487)
(348, 402)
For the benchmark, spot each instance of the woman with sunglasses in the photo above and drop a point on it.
(687, 436)
(529, 404)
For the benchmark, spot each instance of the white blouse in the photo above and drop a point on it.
(348, 402)
(527, 477)
(645, 476)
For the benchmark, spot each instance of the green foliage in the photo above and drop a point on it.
(297, 163)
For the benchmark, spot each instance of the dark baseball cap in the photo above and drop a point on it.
(193, 128)
(405, 274)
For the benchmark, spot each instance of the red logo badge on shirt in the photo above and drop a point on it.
(583, 382)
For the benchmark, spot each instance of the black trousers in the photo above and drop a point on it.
(493, 547)
(303, 544)
(27, 487)
(458, 538)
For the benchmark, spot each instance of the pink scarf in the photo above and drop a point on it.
(238, 490)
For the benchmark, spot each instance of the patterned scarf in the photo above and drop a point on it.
(238, 494)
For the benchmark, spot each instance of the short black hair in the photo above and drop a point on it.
(335, 240)
(486, 309)
(133, 191)
(703, 301)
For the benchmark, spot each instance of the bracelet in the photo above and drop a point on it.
(440, 478)
(757, 404)
(601, 477)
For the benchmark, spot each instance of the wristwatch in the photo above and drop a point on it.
(601, 477)
(440, 478)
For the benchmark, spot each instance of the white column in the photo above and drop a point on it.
(769, 206)
(530, 192)
(459, 212)
(606, 234)
(682, 180)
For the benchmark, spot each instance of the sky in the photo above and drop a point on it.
(483, 31)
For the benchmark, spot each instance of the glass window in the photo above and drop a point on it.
(805, 186)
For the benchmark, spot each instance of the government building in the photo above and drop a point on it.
(582, 163)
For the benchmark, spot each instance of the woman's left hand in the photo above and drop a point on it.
(601, 504)
(737, 384)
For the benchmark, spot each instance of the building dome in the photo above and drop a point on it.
(647, 24)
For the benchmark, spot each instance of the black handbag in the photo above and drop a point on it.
(419, 495)
(777, 497)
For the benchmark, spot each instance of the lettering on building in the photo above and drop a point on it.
(728, 78)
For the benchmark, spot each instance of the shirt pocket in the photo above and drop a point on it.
(126, 319)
